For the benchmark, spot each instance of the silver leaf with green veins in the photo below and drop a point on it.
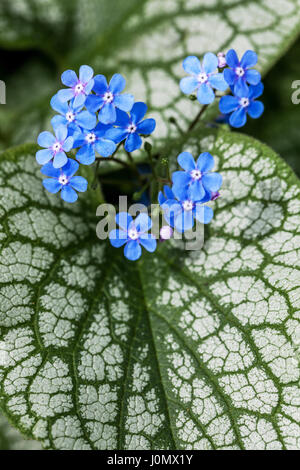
(11, 439)
(181, 350)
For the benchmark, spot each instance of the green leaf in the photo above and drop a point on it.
(146, 41)
(11, 439)
(192, 350)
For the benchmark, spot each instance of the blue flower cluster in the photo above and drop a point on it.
(238, 76)
(93, 117)
(181, 205)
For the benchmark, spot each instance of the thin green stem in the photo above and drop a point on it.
(195, 121)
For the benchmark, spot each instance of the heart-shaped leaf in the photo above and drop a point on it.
(192, 350)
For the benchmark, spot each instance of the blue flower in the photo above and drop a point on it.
(55, 147)
(197, 176)
(181, 210)
(241, 104)
(129, 127)
(71, 117)
(203, 78)
(90, 141)
(79, 88)
(63, 179)
(133, 233)
(240, 72)
(109, 97)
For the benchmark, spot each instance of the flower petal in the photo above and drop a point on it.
(186, 161)
(86, 120)
(256, 90)
(133, 142)
(143, 222)
(253, 77)
(79, 183)
(241, 89)
(188, 85)
(228, 104)
(212, 181)
(146, 127)
(52, 185)
(61, 133)
(181, 178)
(85, 73)
(43, 156)
(210, 62)
(117, 83)
(69, 78)
(86, 155)
(68, 194)
(132, 250)
(105, 147)
(180, 192)
(238, 118)
(232, 59)
(138, 111)
(255, 109)
(93, 103)
(58, 106)
(79, 100)
(49, 170)
(205, 94)
(58, 121)
(123, 219)
(68, 144)
(205, 162)
(66, 94)
(107, 114)
(249, 59)
(192, 65)
(118, 238)
(203, 214)
(100, 84)
(196, 191)
(124, 101)
(229, 76)
(70, 167)
(60, 159)
(123, 119)
(46, 139)
(184, 220)
(116, 134)
(217, 81)
(148, 241)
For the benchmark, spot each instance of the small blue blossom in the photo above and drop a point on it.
(242, 103)
(71, 117)
(240, 72)
(54, 147)
(197, 177)
(91, 141)
(204, 78)
(108, 98)
(79, 88)
(133, 234)
(129, 127)
(181, 210)
(63, 179)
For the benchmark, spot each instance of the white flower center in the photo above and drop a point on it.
(187, 205)
(108, 97)
(202, 77)
(70, 116)
(90, 138)
(239, 71)
(79, 88)
(63, 180)
(131, 128)
(133, 233)
(196, 174)
(244, 102)
(56, 147)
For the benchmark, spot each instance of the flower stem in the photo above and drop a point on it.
(194, 122)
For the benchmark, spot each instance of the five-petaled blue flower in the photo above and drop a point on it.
(240, 72)
(197, 176)
(242, 103)
(79, 88)
(55, 147)
(109, 97)
(89, 141)
(72, 117)
(203, 77)
(129, 127)
(63, 179)
(133, 233)
(181, 210)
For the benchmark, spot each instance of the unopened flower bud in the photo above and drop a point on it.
(221, 60)
(166, 232)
